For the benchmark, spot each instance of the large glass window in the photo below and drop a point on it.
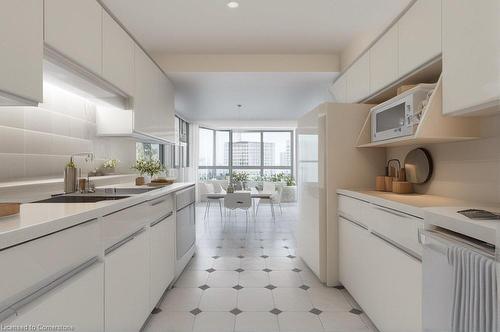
(206, 147)
(148, 151)
(257, 153)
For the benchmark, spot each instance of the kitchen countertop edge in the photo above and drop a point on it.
(13, 232)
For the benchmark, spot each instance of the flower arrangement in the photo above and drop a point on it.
(110, 164)
(149, 167)
(240, 176)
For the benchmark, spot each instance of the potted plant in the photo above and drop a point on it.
(240, 178)
(289, 193)
(147, 167)
(109, 166)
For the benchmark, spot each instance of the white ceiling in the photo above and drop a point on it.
(263, 96)
(257, 26)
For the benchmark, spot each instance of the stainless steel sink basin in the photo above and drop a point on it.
(80, 199)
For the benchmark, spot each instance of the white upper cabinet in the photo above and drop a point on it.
(21, 49)
(384, 60)
(74, 28)
(339, 90)
(419, 35)
(146, 85)
(154, 108)
(358, 79)
(471, 53)
(117, 55)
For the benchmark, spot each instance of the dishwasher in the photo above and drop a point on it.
(459, 283)
(185, 227)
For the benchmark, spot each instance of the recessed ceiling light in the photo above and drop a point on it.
(233, 4)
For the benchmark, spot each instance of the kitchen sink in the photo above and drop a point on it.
(80, 199)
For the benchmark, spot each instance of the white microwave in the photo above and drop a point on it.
(399, 116)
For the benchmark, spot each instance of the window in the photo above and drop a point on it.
(149, 151)
(258, 153)
(182, 128)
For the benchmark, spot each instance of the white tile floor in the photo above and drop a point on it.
(252, 282)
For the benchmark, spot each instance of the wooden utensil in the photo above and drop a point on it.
(380, 183)
(388, 183)
(402, 187)
(9, 209)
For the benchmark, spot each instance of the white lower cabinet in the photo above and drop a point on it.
(77, 302)
(127, 284)
(382, 275)
(396, 280)
(162, 244)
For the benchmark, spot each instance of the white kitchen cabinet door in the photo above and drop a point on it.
(339, 89)
(117, 55)
(355, 268)
(166, 114)
(162, 243)
(384, 60)
(77, 302)
(145, 92)
(74, 29)
(21, 48)
(419, 35)
(127, 285)
(395, 303)
(471, 53)
(358, 79)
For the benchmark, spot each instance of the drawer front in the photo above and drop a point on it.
(397, 226)
(354, 209)
(160, 207)
(184, 198)
(32, 264)
(118, 225)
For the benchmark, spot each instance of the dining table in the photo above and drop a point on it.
(254, 194)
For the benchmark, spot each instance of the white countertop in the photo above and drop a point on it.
(435, 210)
(39, 219)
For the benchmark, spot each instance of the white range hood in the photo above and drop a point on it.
(61, 71)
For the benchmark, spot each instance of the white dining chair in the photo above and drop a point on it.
(241, 201)
(274, 198)
(210, 189)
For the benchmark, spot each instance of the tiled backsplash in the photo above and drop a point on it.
(35, 142)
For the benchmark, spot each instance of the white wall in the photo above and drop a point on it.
(248, 62)
(464, 170)
(35, 142)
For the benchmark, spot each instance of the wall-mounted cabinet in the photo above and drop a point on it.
(384, 60)
(154, 109)
(339, 90)
(74, 29)
(471, 53)
(21, 41)
(117, 55)
(406, 54)
(419, 35)
(358, 79)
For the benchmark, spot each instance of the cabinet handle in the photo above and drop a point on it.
(357, 223)
(120, 210)
(159, 202)
(393, 212)
(185, 206)
(154, 223)
(26, 300)
(397, 246)
(123, 242)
